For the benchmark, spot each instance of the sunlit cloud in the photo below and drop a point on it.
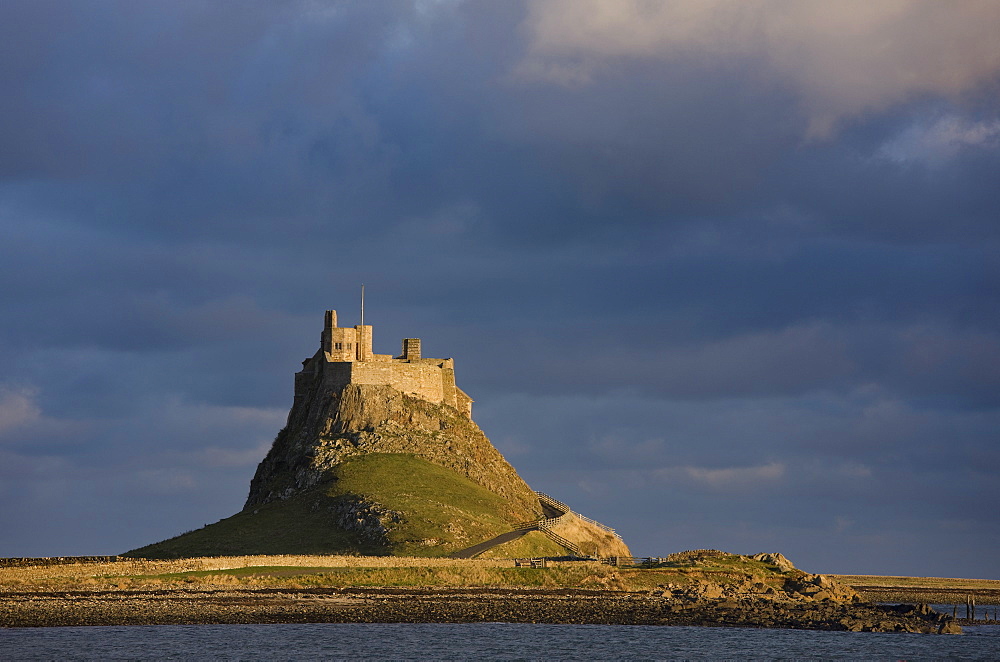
(17, 408)
(735, 478)
(937, 141)
(843, 58)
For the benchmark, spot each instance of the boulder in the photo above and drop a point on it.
(775, 559)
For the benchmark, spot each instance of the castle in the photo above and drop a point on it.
(345, 357)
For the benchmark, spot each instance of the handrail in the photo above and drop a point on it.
(598, 524)
(545, 498)
(558, 539)
(543, 525)
(546, 523)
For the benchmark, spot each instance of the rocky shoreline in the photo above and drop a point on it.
(454, 605)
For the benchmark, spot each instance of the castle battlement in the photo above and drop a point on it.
(345, 357)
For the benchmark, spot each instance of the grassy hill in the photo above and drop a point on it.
(380, 503)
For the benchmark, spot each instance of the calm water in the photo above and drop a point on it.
(482, 641)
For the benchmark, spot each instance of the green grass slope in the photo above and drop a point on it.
(432, 511)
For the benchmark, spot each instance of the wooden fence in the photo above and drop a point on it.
(531, 563)
(559, 505)
(559, 540)
(646, 561)
(549, 501)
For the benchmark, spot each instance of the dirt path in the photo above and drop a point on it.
(469, 552)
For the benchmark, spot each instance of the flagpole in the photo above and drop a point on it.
(362, 304)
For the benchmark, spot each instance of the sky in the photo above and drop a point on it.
(721, 274)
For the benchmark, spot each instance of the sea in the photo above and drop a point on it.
(483, 641)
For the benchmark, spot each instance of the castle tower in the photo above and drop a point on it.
(338, 344)
(364, 342)
(341, 344)
(411, 349)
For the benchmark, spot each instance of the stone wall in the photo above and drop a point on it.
(463, 402)
(25, 562)
(426, 380)
(432, 380)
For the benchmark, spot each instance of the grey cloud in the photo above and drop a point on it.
(661, 298)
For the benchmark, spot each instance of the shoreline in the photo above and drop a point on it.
(699, 588)
(204, 605)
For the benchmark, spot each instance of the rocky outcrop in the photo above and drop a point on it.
(327, 427)
(775, 559)
(796, 589)
(820, 587)
(729, 592)
(371, 521)
(761, 612)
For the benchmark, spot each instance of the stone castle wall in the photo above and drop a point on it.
(427, 380)
(345, 357)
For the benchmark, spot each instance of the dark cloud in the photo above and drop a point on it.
(677, 274)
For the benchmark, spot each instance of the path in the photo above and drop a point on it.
(469, 552)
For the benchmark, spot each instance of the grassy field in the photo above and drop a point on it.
(311, 571)
(441, 512)
(343, 571)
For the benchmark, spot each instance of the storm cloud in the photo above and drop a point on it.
(720, 274)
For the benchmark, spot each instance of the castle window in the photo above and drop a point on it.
(348, 345)
(339, 345)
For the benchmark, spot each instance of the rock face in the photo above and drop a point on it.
(329, 426)
(370, 520)
(800, 589)
(795, 585)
